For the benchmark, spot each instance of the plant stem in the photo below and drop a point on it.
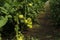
(17, 27)
(0, 37)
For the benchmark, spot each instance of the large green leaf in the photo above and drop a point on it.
(3, 21)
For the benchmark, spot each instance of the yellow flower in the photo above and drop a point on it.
(21, 16)
(30, 26)
(30, 23)
(20, 38)
(29, 19)
(26, 21)
(30, 4)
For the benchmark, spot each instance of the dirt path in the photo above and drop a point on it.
(45, 33)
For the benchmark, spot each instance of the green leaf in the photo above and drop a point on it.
(4, 10)
(7, 6)
(3, 21)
